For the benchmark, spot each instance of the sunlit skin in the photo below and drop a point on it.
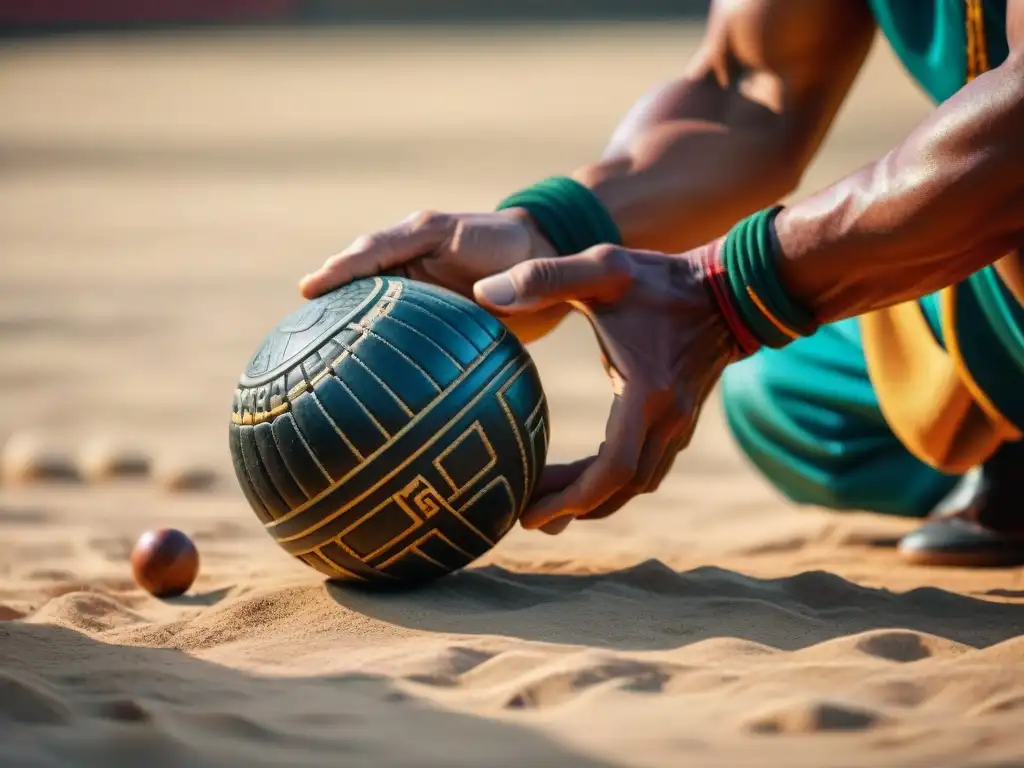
(732, 135)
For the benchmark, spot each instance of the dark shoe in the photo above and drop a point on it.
(986, 530)
(956, 541)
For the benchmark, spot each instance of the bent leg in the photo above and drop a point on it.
(807, 417)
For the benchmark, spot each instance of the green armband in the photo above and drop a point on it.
(749, 256)
(571, 216)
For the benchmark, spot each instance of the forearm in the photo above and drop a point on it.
(946, 202)
(691, 160)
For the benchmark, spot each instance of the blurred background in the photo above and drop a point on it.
(73, 15)
(169, 170)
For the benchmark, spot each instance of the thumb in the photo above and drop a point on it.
(602, 273)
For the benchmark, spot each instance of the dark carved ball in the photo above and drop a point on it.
(390, 431)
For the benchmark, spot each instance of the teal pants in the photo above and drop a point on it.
(807, 417)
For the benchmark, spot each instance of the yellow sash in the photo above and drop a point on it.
(926, 394)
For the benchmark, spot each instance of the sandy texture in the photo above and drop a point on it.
(158, 201)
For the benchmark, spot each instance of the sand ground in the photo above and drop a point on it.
(158, 201)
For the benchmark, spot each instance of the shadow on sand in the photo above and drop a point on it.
(652, 607)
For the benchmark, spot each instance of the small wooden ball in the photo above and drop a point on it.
(101, 460)
(183, 477)
(165, 562)
(30, 458)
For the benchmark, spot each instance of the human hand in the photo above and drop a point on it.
(664, 345)
(450, 250)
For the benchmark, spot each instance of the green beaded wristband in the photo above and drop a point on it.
(749, 256)
(571, 216)
(738, 272)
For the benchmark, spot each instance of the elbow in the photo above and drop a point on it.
(782, 177)
(787, 180)
(784, 156)
(791, 146)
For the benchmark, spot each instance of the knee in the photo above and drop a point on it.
(748, 397)
(814, 454)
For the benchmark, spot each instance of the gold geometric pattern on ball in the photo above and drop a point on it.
(389, 431)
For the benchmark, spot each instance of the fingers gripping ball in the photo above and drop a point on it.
(389, 432)
(165, 562)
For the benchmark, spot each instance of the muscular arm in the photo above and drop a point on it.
(946, 202)
(735, 133)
